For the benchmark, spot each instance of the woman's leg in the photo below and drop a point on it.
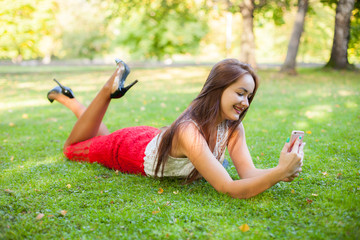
(77, 108)
(89, 122)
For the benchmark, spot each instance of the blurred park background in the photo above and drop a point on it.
(168, 31)
(45, 196)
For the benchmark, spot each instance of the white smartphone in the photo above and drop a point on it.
(295, 135)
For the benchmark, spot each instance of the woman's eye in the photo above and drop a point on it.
(240, 94)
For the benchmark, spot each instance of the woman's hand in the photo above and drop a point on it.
(291, 162)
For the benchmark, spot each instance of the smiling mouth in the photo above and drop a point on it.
(238, 109)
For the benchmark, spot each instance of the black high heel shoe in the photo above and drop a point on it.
(120, 78)
(60, 89)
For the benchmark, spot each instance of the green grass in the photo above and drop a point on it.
(101, 204)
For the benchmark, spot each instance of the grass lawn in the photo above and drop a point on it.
(45, 196)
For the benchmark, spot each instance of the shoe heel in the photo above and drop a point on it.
(65, 90)
(121, 92)
(60, 89)
(130, 85)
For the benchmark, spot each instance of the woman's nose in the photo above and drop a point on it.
(245, 102)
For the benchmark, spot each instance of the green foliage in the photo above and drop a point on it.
(275, 10)
(25, 27)
(322, 204)
(354, 42)
(83, 29)
(316, 40)
(163, 28)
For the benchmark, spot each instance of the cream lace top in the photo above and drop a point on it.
(182, 167)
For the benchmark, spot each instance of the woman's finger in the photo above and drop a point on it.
(295, 148)
(301, 148)
(286, 147)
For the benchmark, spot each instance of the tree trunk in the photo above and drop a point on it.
(290, 61)
(339, 56)
(247, 53)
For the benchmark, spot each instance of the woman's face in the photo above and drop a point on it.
(235, 98)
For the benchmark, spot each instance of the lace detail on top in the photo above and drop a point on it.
(182, 167)
(221, 136)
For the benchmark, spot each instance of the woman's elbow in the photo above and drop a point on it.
(231, 190)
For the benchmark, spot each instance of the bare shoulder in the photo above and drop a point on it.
(189, 133)
(237, 136)
(188, 139)
(239, 131)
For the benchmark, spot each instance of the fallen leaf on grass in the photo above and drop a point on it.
(244, 228)
(8, 191)
(12, 158)
(309, 201)
(25, 116)
(117, 172)
(155, 212)
(176, 192)
(308, 132)
(40, 216)
(63, 212)
(50, 216)
(292, 191)
(314, 194)
(11, 124)
(160, 191)
(324, 173)
(68, 186)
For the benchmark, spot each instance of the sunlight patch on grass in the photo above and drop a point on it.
(318, 112)
(351, 104)
(301, 125)
(187, 90)
(345, 93)
(20, 166)
(22, 104)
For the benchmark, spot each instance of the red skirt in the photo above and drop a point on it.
(122, 150)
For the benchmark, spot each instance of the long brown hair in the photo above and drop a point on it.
(205, 109)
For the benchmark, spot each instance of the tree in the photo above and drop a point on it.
(248, 9)
(339, 56)
(248, 47)
(159, 28)
(290, 61)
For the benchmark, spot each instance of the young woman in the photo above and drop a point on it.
(193, 146)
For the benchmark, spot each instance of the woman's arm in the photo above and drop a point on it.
(194, 146)
(240, 155)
